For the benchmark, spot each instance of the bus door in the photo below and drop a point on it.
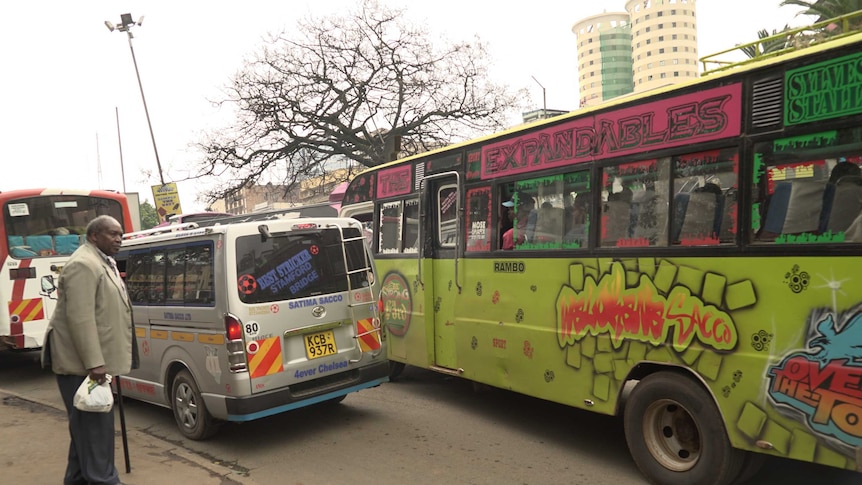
(442, 248)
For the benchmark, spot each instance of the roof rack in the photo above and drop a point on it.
(165, 233)
(160, 230)
(791, 40)
(311, 210)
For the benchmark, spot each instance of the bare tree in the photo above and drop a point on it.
(349, 88)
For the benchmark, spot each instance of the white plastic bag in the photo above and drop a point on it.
(93, 397)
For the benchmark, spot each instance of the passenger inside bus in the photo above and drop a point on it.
(550, 222)
(527, 216)
(617, 216)
(507, 218)
(576, 220)
(521, 215)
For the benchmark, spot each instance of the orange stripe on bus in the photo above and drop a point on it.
(140, 332)
(159, 334)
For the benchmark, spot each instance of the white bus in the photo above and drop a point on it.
(39, 231)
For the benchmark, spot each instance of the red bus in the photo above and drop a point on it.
(39, 230)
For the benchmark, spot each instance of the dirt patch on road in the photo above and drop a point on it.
(32, 406)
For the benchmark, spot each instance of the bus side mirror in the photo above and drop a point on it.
(48, 286)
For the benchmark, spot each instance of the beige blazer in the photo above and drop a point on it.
(92, 322)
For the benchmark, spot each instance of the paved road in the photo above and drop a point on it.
(424, 429)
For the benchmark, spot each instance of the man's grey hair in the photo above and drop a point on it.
(99, 224)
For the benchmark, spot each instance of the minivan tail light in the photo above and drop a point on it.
(235, 347)
(232, 327)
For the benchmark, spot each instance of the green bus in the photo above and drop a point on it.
(684, 258)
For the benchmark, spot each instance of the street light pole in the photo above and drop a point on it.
(544, 98)
(120, 143)
(126, 24)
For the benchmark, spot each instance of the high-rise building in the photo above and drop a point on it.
(604, 57)
(651, 44)
(664, 42)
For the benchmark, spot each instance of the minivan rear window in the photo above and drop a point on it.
(297, 264)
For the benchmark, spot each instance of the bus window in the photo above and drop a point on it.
(447, 217)
(478, 222)
(809, 190)
(399, 227)
(389, 240)
(705, 198)
(411, 226)
(363, 213)
(54, 225)
(551, 212)
(634, 204)
(576, 210)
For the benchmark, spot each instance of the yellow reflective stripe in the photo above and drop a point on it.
(217, 339)
(204, 338)
(183, 336)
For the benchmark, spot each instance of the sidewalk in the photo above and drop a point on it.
(34, 441)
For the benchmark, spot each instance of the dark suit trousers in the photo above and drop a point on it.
(91, 452)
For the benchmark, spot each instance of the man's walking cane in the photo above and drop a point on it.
(123, 424)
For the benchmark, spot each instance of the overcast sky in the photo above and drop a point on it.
(66, 76)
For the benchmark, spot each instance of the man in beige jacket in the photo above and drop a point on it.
(91, 334)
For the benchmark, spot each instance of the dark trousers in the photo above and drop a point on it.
(91, 451)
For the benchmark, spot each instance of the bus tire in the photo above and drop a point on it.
(675, 433)
(752, 464)
(190, 412)
(395, 370)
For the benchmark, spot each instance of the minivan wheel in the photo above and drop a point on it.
(190, 412)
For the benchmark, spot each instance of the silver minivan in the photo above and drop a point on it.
(240, 321)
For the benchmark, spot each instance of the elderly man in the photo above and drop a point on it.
(91, 334)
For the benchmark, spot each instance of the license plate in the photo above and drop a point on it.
(320, 344)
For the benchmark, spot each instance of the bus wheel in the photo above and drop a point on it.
(676, 435)
(395, 370)
(189, 409)
(752, 464)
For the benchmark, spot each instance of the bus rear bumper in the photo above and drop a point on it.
(306, 394)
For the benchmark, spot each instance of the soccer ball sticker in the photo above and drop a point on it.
(247, 284)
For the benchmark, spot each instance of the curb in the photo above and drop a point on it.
(230, 475)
